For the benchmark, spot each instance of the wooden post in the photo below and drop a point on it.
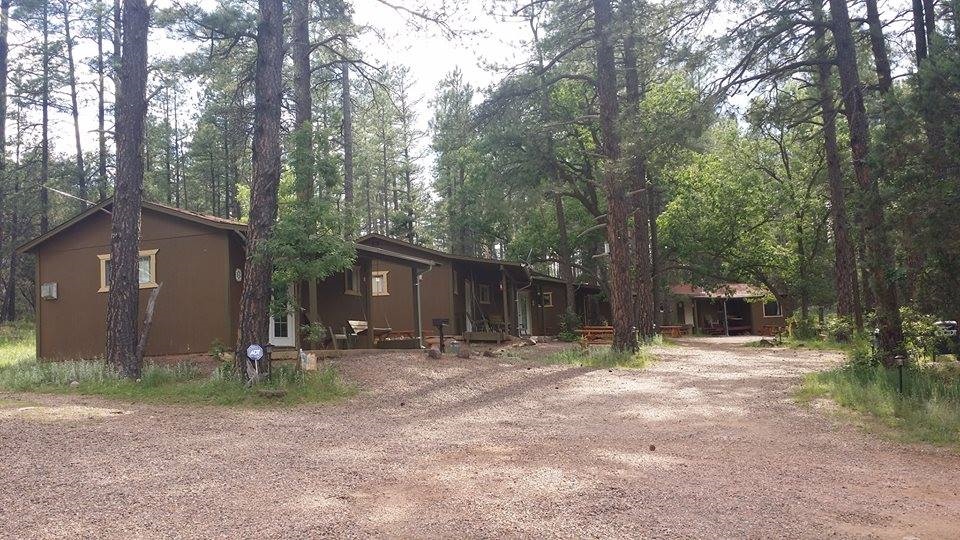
(417, 323)
(367, 284)
(726, 322)
(506, 297)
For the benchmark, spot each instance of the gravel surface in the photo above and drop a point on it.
(706, 442)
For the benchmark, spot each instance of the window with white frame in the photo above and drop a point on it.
(351, 281)
(548, 299)
(146, 270)
(772, 309)
(378, 285)
(483, 294)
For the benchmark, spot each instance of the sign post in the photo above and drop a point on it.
(440, 323)
(255, 353)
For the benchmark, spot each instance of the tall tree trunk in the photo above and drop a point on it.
(620, 289)
(879, 256)
(919, 32)
(167, 144)
(123, 298)
(878, 45)
(45, 125)
(643, 279)
(177, 161)
(563, 253)
(81, 175)
(846, 281)
(265, 181)
(7, 312)
(655, 266)
(408, 177)
(347, 106)
(303, 99)
(101, 107)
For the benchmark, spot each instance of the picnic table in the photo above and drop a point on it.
(596, 334)
(674, 331)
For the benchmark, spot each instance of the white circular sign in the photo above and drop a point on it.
(255, 352)
(238, 274)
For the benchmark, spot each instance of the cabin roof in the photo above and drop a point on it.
(105, 206)
(383, 253)
(725, 290)
(437, 253)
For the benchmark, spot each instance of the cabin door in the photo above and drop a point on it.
(524, 313)
(281, 330)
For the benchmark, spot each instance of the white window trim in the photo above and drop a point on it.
(386, 287)
(152, 284)
(355, 291)
(779, 310)
(548, 299)
(480, 293)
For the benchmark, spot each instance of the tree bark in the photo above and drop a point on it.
(45, 125)
(123, 298)
(8, 310)
(4, 66)
(303, 99)
(101, 108)
(563, 253)
(846, 281)
(919, 32)
(347, 107)
(255, 297)
(643, 270)
(81, 175)
(879, 256)
(620, 289)
(879, 47)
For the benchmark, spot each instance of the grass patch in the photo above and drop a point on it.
(16, 342)
(182, 384)
(601, 357)
(928, 410)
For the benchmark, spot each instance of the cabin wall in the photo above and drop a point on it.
(396, 309)
(547, 320)
(192, 312)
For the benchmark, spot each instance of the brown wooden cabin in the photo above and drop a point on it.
(475, 295)
(478, 295)
(542, 303)
(729, 309)
(199, 259)
(381, 290)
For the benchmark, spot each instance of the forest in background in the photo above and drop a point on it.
(808, 147)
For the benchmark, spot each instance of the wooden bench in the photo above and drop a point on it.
(596, 334)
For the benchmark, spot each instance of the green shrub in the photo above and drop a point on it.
(803, 328)
(568, 328)
(839, 328)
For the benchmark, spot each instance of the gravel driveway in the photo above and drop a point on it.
(707, 442)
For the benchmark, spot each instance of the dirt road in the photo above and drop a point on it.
(707, 442)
